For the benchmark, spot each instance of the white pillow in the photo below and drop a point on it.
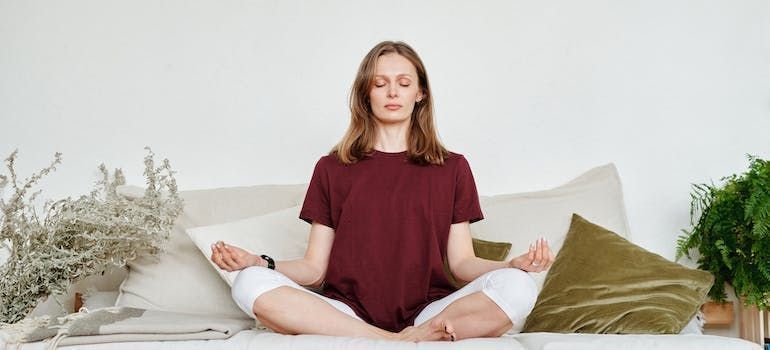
(180, 280)
(95, 299)
(521, 218)
(280, 234)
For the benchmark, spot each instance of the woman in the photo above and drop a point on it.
(386, 206)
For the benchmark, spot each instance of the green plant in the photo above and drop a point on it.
(78, 237)
(730, 230)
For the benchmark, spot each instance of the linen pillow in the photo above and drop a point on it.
(496, 251)
(279, 234)
(602, 283)
(521, 218)
(98, 299)
(180, 279)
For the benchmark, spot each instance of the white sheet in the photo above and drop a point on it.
(554, 341)
(532, 341)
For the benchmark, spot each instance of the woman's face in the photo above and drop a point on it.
(395, 90)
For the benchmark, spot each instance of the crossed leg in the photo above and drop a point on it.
(486, 307)
(476, 310)
(287, 308)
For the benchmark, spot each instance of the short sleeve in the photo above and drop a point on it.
(317, 204)
(466, 198)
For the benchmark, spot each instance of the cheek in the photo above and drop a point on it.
(376, 96)
(373, 94)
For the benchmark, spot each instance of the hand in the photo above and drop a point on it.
(232, 258)
(539, 258)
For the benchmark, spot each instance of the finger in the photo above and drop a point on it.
(237, 259)
(216, 257)
(228, 259)
(552, 257)
(524, 259)
(235, 254)
(547, 254)
(226, 256)
(531, 253)
(539, 253)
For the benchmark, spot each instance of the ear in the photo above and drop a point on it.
(420, 96)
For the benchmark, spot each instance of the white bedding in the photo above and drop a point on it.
(554, 341)
(251, 339)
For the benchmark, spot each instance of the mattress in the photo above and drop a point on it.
(252, 339)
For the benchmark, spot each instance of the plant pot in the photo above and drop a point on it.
(718, 314)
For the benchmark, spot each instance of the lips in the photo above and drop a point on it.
(393, 107)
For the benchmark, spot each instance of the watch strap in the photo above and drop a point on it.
(270, 261)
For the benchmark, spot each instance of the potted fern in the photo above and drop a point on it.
(730, 228)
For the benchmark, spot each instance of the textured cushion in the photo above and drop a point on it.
(279, 234)
(496, 251)
(521, 218)
(602, 283)
(181, 279)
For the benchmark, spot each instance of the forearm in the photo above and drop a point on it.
(473, 267)
(300, 271)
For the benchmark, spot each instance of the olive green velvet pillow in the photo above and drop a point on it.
(496, 251)
(602, 283)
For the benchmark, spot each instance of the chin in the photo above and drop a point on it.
(392, 120)
(389, 117)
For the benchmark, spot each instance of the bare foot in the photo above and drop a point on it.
(435, 329)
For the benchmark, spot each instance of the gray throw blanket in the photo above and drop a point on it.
(120, 324)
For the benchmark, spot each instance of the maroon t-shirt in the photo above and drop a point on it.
(391, 219)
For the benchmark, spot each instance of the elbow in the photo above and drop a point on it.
(459, 268)
(319, 280)
(318, 274)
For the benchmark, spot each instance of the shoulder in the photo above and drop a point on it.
(455, 159)
(328, 162)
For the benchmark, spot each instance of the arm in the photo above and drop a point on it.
(466, 266)
(311, 269)
(308, 271)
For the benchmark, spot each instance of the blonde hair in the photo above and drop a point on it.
(423, 144)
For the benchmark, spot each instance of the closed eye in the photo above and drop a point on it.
(403, 85)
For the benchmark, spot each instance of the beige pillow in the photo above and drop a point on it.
(181, 279)
(521, 218)
(279, 234)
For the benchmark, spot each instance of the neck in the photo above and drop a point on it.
(392, 137)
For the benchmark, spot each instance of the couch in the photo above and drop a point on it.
(182, 280)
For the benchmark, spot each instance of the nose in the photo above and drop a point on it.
(392, 91)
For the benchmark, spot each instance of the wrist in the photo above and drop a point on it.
(257, 261)
(513, 264)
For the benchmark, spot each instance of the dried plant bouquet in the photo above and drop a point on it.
(79, 237)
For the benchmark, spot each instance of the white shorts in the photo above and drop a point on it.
(513, 290)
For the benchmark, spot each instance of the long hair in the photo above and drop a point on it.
(423, 144)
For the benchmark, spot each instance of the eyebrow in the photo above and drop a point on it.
(397, 76)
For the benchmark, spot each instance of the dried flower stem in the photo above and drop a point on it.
(78, 238)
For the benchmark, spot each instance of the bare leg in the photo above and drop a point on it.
(474, 315)
(287, 310)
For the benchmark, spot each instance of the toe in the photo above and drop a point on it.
(448, 327)
(450, 330)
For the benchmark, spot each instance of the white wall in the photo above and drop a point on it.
(532, 92)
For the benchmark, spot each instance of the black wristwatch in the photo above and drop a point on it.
(270, 261)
